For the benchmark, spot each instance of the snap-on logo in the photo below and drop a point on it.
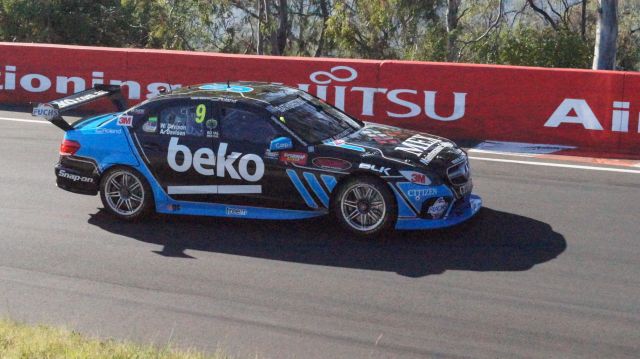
(74, 177)
(206, 163)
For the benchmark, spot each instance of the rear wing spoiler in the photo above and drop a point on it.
(52, 111)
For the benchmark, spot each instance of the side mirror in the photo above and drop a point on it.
(281, 143)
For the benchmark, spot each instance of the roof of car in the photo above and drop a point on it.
(262, 92)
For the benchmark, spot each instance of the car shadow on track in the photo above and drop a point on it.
(492, 241)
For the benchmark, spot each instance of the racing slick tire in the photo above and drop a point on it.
(126, 194)
(364, 206)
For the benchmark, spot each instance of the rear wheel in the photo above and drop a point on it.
(126, 194)
(364, 206)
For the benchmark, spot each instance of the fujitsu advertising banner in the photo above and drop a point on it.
(598, 110)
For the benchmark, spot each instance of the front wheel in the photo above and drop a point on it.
(126, 194)
(364, 206)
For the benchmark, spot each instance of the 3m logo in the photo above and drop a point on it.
(125, 120)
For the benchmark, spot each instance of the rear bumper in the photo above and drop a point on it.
(77, 175)
(462, 210)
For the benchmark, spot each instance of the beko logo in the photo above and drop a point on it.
(206, 163)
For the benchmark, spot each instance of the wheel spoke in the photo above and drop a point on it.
(114, 183)
(357, 193)
(134, 186)
(351, 204)
(129, 205)
(120, 202)
(113, 194)
(136, 198)
(353, 215)
(368, 194)
(363, 220)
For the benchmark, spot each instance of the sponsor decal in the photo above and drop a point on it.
(416, 177)
(108, 131)
(273, 155)
(343, 144)
(383, 138)
(125, 120)
(370, 167)
(205, 162)
(211, 126)
(227, 88)
(84, 98)
(45, 110)
(330, 163)
(74, 177)
(417, 144)
(151, 125)
(221, 99)
(421, 193)
(433, 153)
(437, 209)
(236, 211)
(298, 158)
(281, 145)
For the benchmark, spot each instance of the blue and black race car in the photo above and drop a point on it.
(259, 150)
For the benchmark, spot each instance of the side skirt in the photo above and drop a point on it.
(224, 210)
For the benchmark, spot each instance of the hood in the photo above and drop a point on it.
(401, 144)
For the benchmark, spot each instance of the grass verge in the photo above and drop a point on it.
(25, 341)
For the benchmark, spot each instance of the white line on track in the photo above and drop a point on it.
(531, 163)
(22, 120)
(562, 165)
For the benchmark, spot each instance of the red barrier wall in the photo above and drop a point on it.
(598, 110)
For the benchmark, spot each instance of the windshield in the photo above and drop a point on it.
(313, 120)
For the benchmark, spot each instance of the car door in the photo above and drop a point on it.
(248, 131)
(176, 139)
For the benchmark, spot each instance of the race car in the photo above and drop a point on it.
(262, 151)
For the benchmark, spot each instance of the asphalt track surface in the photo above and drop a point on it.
(550, 268)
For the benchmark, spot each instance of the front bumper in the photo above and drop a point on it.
(460, 211)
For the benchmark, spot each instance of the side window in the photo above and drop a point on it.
(177, 118)
(183, 119)
(242, 125)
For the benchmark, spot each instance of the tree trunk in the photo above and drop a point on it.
(452, 25)
(606, 35)
(583, 20)
(283, 26)
(261, 14)
(324, 11)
